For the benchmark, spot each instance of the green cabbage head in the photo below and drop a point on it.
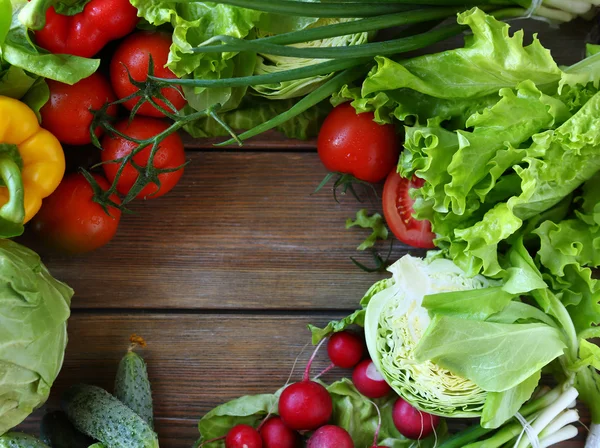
(394, 324)
(267, 64)
(34, 308)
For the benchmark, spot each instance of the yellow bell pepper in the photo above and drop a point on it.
(39, 159)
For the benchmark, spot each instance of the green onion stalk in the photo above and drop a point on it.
(546, 420)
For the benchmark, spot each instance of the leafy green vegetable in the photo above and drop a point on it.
(194, 23)
(5, 19)
(248, 410)
(394, 325)
(496, 357)
(476, 304)
(253, 112)
(529, 141)
(357, 414)
(375, 222)
(501, 406)
(591, 49)
(33, 332)
(290, 89)
(464, 73)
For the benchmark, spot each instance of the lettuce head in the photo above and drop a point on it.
(395, 323)
(34, 308)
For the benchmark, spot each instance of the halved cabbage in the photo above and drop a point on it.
(394, 324)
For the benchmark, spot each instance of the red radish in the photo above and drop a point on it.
(411, 422)
(275, 434)
(330, 437)
(345, 349)
(305, 405)
(369, 381)
(243, 436)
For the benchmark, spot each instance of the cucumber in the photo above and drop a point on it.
(132, 386)
(95, 412)
(57, 431)
(20, 440)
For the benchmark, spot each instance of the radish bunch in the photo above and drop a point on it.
(307, 406)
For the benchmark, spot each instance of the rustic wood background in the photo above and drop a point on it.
(222, 275)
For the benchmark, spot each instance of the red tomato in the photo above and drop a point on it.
(133, 54)
(67, 113)
(398, 211)
(352, 143)
(70, 221)
(170, 154)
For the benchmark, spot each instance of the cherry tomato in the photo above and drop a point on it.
(352, 143)
(70, 221)
(133, 55)
(170, 154)
(398, 210)
(67, 113)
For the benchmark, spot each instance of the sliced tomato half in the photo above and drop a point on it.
(398, 211)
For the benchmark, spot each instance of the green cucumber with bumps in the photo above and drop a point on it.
(132, 386)
(20, 440)
(95, 412)
(57, 431)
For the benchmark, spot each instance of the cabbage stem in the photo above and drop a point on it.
(395, 46)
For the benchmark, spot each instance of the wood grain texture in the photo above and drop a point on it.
(241, 231)
(195, 361)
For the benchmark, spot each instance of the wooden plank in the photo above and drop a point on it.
(241, 231)
(195, 361)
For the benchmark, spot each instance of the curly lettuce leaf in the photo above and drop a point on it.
(490, 60)
(374, 222)
(555, 165)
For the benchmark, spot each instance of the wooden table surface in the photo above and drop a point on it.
(222, 276)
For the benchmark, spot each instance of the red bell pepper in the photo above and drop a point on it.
(86, 33)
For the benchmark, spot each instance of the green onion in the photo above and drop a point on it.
(323, 68)
(328, 10)
(394, 46)
(315, 97)
(360, 26)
